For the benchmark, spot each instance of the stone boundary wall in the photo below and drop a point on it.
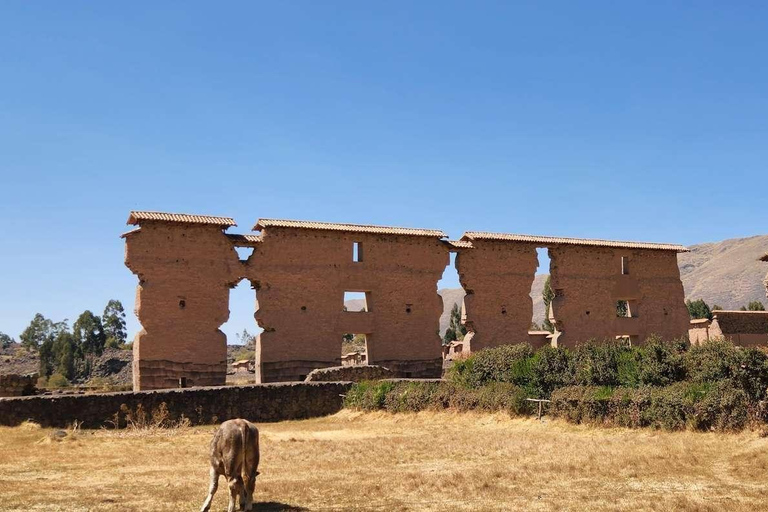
(350, 373)
(255, 402)
(18, 385)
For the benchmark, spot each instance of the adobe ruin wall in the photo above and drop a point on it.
(300, 277)
(300, 270)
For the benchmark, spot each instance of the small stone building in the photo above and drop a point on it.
(743, 328)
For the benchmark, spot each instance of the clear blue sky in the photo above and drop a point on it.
(646, 121)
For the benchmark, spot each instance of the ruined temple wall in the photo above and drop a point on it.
(185, 273)
(497, 277)
(588, 282)
(301, 275)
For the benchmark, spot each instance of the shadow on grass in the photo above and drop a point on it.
(275, 506)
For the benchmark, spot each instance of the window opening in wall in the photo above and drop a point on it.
(241, 330)
(622, 309)
(541, 293)
(357, 252)
(244, 252)
(625, 265)
(449, 288)
(354, 350)
(357, 301)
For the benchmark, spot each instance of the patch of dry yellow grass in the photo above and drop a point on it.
(378, 461)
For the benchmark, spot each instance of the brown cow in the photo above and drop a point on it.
(234, 454)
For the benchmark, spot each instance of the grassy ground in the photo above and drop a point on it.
(376, 461)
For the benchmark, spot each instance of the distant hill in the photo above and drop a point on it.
(725, 273)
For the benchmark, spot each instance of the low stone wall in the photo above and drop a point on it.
(18, 385)
(350, 373)
(255, 402)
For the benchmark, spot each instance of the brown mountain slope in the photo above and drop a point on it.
(725, 273)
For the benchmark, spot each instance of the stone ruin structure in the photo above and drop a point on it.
(187, 264)
(743, 328)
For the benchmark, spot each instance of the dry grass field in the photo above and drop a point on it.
(377, 461)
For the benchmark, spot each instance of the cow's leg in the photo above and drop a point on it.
(250, 484)
(235, 488)
(212, 489)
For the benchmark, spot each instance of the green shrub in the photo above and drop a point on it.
(368, 395)
(752, 374)
(505, 363)
(551, 368)
(57, 380)
(713, 360)
(718, 406)
(598, 364)
(660, 362)
(410, 396)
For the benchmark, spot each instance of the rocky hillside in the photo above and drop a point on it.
(726, 273)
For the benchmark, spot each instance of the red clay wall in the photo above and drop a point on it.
(588, 281)
(185, 272)
(300, 277)
(497, 277)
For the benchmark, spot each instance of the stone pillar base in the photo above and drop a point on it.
(161, 374)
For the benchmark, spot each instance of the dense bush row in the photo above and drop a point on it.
(670, 385)
(615, 364)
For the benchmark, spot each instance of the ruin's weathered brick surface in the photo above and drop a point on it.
(185, 272)
(497, 277)
(259, 403)
(301, 275)
(588, 282)
(300, 270)
(743, 328)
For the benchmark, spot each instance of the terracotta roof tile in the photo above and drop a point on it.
(459, 244)
(136, 217)
(350, 228)
(551, 240)
(244, 240)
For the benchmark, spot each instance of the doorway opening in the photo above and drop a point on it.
(541, 293)
(354, 349)
(241, 331)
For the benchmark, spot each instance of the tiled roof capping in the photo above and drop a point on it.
(244, 240)
(459, 244)
(350, 228)
(551, 240)
(138, 217)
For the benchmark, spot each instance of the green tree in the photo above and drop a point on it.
(547, 295)
(113, 321)
(65, 353)
(5, 340)
(698, 309)
(716, 307)
(39, 330)
(89, 334)
(755, 305)
(456, 330)
(247, 339)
